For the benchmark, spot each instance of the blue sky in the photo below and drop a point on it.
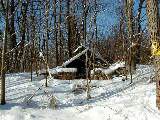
(107, 17)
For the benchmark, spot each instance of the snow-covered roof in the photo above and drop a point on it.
(97, 54)
(78, 48)
(75, 57)
(111, 68)
(60, 69)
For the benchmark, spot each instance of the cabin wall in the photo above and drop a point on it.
(80, 65)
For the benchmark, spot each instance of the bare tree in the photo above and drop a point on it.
(47, 5)
(4, 50)
(129, 14)
(55, 30)
(152, 13)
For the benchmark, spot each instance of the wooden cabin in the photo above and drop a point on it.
(84, 58)
(78, 62)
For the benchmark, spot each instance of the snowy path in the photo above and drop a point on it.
(111, 99)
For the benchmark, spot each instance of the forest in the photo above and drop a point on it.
(79, 59)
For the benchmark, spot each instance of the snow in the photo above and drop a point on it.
(114, 67)
(111, 68)
(81, 53)
(79, 47)
(67, 70)
(75, 57)
(111, 99)
(40, 54)
(57, 70)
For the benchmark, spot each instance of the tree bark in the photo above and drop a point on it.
(47, 37)
(3, 65)
(55, 32)
(59, 32)
(152, 14)
(129, 14)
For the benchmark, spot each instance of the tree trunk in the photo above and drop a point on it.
(69, 29)
(87, 77)
(47, 37)
(12, 27)
(152, 14)
(129, 13)
(55, 32)
(59, 32)
(3, 65)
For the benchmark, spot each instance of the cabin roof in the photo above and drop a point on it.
(74, 58)
(111, 68)
(97, 54)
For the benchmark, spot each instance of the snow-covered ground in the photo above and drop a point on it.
(111, 99)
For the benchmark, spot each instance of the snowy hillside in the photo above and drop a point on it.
(111, 99)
